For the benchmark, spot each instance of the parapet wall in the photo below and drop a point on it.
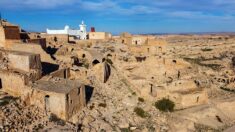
(12, 32)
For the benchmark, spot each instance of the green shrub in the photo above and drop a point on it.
(165, 105)
(140, 112)
(140, 99)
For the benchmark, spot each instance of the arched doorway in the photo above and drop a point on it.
(95, 62)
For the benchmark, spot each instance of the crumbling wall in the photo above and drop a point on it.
(56, 39)
(28, 63)
(40, 41)
(24, 62)
(12, 32)
(139, 40)
(193, 99)
(2, 37)
(13, 82)
(34, 48)
(51, 102)
(76, 101)
(61, 73)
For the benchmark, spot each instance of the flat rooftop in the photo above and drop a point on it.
(62, 86)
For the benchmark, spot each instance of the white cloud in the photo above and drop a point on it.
(32, 4)
(186, 9)
(200, 15)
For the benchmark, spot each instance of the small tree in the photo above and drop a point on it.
(141, 99)
(140, 112)
(165, 105)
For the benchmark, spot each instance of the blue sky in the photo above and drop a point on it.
(135, 16)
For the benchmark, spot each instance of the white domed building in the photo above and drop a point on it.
(79, 34)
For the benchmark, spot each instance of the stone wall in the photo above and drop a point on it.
(40, 41)
(139, 40)
(12, 32)
(62, 73)
(34, 48)
(63, 99)
(193, 99)
(55, 102)
(56, 39)
(76, 101)
(2, 37)
(99, 35)
(9, 35)
(24, 61)
(13, 82)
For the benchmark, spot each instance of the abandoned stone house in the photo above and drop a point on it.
(20, 68)
(64, 97)
(185, 93)
(21, 76)
(99, 35)
(165, 78)
(9, 34)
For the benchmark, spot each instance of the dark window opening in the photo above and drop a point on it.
(78, 91)
(95, 62)
(0, 83)
(83, 55)
(67, 98)
(76, 61)
(55, 39)
(65, 74)
(109, 55)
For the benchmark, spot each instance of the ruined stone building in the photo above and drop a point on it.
(9, 34)
(23, 74)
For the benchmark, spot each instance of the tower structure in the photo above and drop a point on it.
(82, 27)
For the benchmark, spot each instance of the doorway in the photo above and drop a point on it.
(0, 83)
(47, 103)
